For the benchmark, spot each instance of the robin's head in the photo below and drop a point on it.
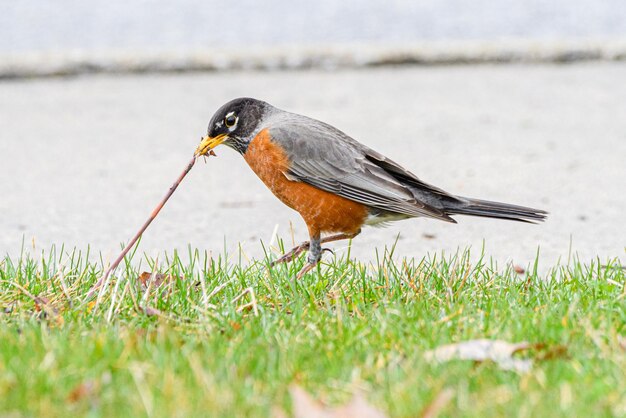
(233, 125)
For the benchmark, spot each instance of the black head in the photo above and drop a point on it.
(233, 125)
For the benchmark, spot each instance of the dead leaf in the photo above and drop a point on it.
(429, 236)
(519, 269)
(550, 353)
(500, 352)
(81, 391)
(304, 406)
(157, 279)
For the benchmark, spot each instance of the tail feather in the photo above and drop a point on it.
(487, 209)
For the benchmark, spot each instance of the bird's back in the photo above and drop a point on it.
(326, 158)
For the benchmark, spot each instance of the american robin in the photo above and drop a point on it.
(336, 183)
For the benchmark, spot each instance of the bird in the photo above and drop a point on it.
(334, 182)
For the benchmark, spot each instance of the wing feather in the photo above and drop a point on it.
(326, 158)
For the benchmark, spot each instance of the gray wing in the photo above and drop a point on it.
(328, 159)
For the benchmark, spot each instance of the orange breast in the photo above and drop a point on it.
(322, 211)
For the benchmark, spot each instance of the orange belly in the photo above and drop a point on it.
(322, 211)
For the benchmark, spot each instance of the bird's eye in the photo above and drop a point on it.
(230, 120)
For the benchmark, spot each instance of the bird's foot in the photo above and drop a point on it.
(295, 252)
(304, 270)
(287, 257)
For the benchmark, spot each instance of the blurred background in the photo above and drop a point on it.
(102, 104)
(159, 25)
(46, 37)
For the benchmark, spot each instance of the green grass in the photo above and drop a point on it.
(228, 339)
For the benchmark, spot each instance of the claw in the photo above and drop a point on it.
(307, 267)
(287, 257)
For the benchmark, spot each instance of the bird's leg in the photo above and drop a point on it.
(296, 251)
(315, 255)
(337, 237)
(293, 253)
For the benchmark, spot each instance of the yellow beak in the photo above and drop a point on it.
(208, 143)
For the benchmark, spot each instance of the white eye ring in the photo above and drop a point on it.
(230, 120)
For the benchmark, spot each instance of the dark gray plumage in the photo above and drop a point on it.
(331, 160)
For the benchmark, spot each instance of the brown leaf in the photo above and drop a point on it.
(157, 279)
(500, 352)
(304, 406)
(550, 353)
(81, 391)
(519, 269)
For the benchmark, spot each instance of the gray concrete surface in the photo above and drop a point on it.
(85, 160)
